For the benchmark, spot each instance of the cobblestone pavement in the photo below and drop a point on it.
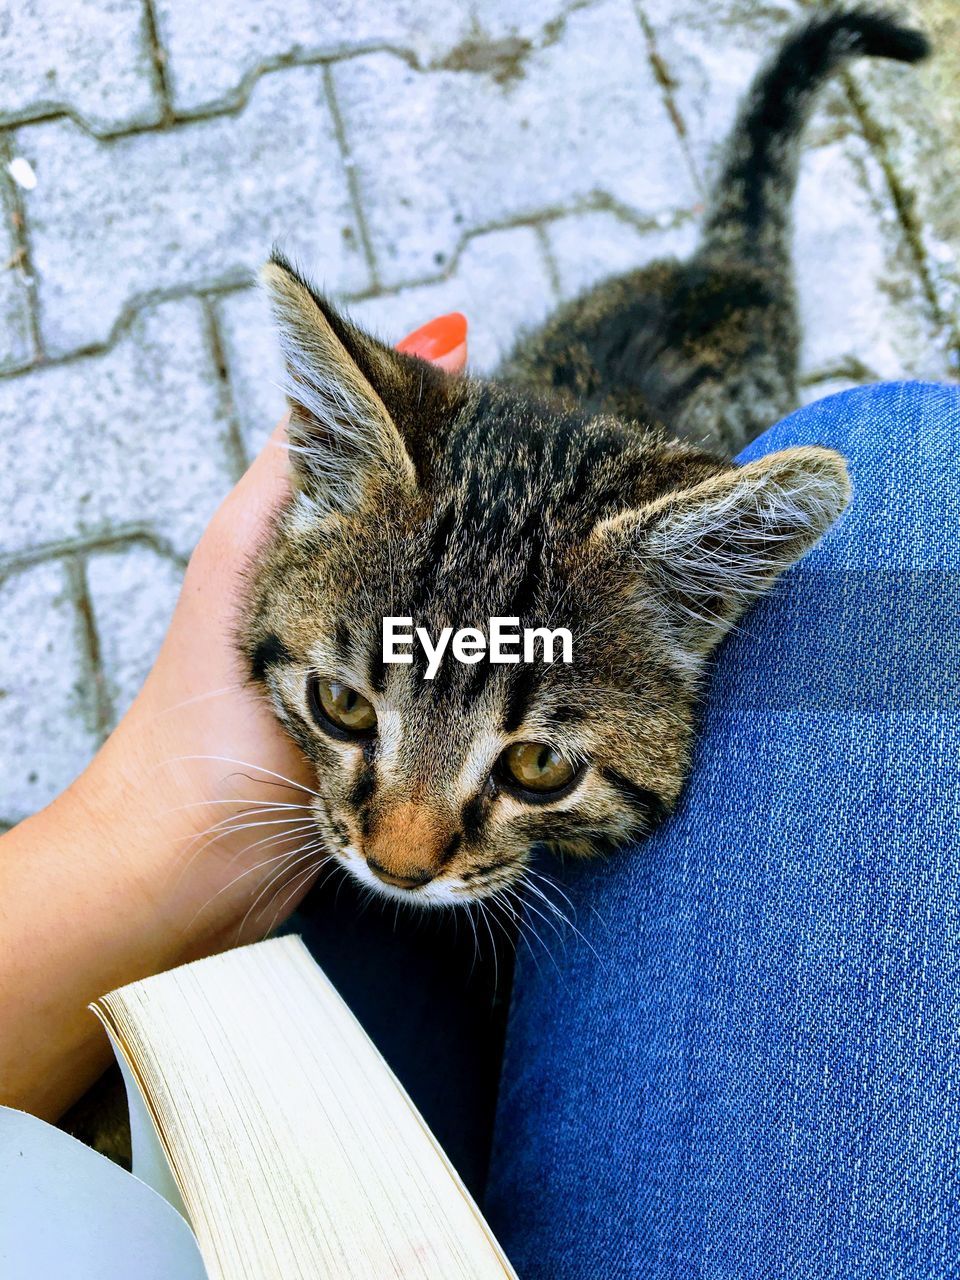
(490, 157)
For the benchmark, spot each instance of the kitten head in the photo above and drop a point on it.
(451, 501)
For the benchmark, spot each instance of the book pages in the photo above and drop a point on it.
(295, 1149)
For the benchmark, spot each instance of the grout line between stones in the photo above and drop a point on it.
(100, 707)
(850, 368)
(18, 220)
(236, 449)
(128, 316)
(904, 205)
(550, 262)
(598, 201)
(235, 101)
(117, 539)
(667, 84)
(158, 57)
(233, 105)
(350, 169)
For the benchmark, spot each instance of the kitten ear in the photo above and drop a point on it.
(345, 390)
(705, 553)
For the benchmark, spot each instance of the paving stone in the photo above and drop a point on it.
(861, 301)
(501, 284)
(208, 59)
(133, 591)
(589, 247)
(46, 733)
(440, 153)
(131, 439)
(113, 222)
(914, 136)
(254, 365)
(16, 342)
(88, 57)
(476, 287)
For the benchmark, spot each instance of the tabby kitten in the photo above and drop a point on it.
(588, 487)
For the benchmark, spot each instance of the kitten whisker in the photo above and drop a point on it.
(244, 764)
(238, 822)
(293, 859)
(303, 826)
(294, 886)
(201, 804)
(257, 866)
(201, 697)
(529, 871)
(564, 918)
(530, 906)
(493, 943)
(476, 941)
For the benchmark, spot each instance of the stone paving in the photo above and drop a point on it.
(488, 157)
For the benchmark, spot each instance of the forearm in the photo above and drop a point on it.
(75, 921)
(137, 867)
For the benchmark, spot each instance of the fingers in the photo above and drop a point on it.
(443, 342)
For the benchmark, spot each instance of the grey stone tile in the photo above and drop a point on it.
(589, 247)
(133, 591)
(254, 364)
(91, 59)
(861, 301)
(441, 153)
(114, 222)
(133, 438)
(711, 50)
(501, 284)
(46, 733)
(909, 113)
(209, 59)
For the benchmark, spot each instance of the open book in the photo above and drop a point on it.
(262, 1111)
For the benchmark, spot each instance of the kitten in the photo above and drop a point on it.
(588, 487)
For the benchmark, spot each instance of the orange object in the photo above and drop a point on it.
(438, 338)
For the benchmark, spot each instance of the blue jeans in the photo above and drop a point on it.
(750, 1066)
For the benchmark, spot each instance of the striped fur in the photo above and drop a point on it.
(589, 487)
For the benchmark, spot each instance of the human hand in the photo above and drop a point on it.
(218, 790)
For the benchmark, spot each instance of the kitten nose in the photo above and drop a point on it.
(411, 881)
(404, 843)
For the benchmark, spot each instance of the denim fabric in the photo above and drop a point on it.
(753, 1069)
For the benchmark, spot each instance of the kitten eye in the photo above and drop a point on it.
(537, 767)
(339, 708)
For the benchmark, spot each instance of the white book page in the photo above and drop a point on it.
(68, 1212)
